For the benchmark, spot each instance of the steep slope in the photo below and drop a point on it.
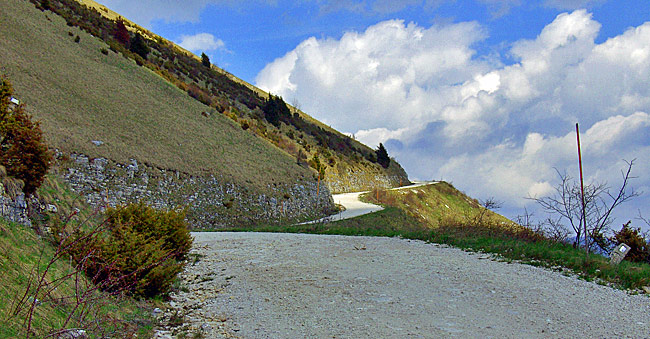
(81, 95)
(347, 164)
(125, 133)
(438, 204)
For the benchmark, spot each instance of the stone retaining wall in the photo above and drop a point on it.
(212, 201)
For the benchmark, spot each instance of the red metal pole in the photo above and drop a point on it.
(582, 190)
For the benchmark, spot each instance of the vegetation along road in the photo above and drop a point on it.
(269, 285)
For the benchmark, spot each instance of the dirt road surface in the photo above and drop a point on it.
(261, 285)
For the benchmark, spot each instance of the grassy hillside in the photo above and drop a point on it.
(438, 204)
(221, 95)
(81, 95)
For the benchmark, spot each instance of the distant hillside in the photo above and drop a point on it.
(348, 164)
(439, 204)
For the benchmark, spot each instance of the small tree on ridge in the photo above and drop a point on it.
(382, 156)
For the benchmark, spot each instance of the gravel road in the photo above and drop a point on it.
(262, 285)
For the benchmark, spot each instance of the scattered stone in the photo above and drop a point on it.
(77, 334)
(97, 142)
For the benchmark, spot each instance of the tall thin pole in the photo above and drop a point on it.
(582, 190)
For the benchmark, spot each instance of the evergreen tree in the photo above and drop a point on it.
(276, 110)
(139, 46)
(382, 156)
(205, 60)
(45, 5)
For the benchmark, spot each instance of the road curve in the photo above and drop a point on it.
(353, 207)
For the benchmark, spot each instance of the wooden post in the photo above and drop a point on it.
(582, 190)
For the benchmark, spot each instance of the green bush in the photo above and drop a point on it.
(169, 226)
(141, 252)
(639, 249)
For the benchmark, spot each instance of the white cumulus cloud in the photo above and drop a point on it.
(492, 129)
(201, 42)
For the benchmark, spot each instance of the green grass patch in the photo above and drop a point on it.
(388, 222)
(23, 258)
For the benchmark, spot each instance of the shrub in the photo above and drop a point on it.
(121, 34)
(197, 93)
(77, 39)
(141, 252)
(22, 150)
(639, 249)
(104, 51)
(45, 5)
(169, 226)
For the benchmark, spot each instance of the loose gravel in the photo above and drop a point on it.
(265, 285)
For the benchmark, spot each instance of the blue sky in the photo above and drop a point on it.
(481, 93)
(256, 32)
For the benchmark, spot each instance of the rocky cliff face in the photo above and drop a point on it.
(212, 201)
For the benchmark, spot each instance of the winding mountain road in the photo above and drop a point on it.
(270, 285)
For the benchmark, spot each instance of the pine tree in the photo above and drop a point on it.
(205, 60)
(382, 156)
(139, 46)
